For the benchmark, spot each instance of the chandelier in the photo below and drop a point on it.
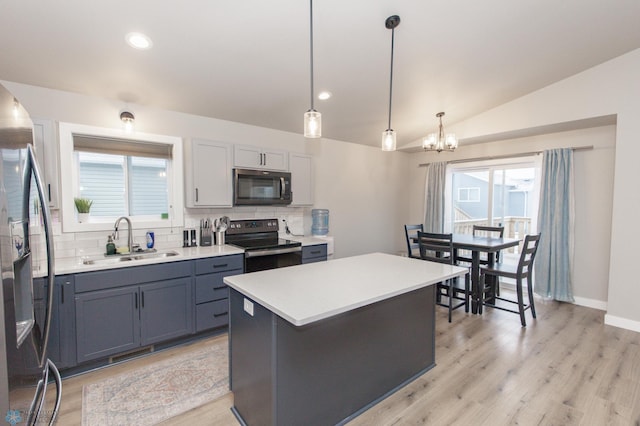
(440, 141)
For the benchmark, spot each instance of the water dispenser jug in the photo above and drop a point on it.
(320, 225)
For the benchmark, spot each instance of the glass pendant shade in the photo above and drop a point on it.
(451, 141)
(388, 140)
(312, 124)
(429, 142)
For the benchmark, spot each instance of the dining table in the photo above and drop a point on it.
(480, 244)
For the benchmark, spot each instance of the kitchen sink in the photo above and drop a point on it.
(129, 257)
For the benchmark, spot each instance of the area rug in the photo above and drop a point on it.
(160, 390)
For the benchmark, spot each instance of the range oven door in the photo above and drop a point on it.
(262, 260)
(261, 187)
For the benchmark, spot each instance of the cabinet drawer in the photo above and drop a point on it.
(220, 264)
(211, 287)
(120, 277)
(212, 314)
(310, 252)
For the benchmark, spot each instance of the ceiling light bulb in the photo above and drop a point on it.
(323, 96)
(389, 140)
(451, 141)
(16, 108)
(128, 119)
(138, 41)
(312, 124)
(429, 142)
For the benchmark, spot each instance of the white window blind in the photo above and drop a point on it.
(123, 178)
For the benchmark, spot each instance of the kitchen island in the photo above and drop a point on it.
(317, 344)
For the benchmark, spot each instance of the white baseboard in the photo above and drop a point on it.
(591, 303)
(600, 305)
(622, 322)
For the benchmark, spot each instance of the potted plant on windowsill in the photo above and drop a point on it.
(83, 206)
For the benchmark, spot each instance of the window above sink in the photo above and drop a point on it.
(138, 175)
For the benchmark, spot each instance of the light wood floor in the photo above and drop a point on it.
(565, 368)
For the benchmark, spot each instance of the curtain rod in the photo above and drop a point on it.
(499, 157)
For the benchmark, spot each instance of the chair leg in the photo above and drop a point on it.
(450, 298)
(530, 290)
(520, 301)
(467, 290)
(480, 293)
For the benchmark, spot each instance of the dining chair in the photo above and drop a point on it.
(411, 233)
(490, 231)
(439, 248)
(524, 269)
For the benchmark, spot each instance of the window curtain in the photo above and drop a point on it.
(555, 222)
(434, 197)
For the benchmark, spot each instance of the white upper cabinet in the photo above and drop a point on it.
(252, 157)
(46, 143)
(209, 182)
(301, 168)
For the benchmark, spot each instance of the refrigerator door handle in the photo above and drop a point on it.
(58, 380)
(31, 167)
(39, 400)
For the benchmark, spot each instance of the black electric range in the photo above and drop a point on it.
(263, 249)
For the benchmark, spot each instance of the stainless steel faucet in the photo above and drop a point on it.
(130, 231)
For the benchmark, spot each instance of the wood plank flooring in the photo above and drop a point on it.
(565, 368)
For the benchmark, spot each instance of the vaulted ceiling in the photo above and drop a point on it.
(248, 60)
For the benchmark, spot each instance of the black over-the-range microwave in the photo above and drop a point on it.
(261, 187)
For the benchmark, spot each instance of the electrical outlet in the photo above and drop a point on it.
(248, 306)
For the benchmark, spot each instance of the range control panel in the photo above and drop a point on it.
(252, 226)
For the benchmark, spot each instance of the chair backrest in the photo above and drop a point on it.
(490, 231)
(436, 247)
(528, 254)
(411, 233)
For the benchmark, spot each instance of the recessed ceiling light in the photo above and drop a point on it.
(323, 96)
(138, 41)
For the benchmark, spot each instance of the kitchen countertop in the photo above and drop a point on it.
(75, 265)
(312, 241)
(304, 294)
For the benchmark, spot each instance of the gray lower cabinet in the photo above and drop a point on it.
(107, 322)
(122, 309)
(66, 321)
(61, 343)
(315, 253)
(212, 295)
(165, 310)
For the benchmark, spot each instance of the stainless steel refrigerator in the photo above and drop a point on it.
(26, 373)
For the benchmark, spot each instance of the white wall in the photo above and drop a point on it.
(594, 188)
(611, 88)
(360, 185)
(363, 188)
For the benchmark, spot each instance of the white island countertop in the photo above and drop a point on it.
(304, 294)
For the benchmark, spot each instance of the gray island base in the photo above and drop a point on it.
(326, 371)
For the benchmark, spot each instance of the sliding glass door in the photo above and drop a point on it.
(495, 193)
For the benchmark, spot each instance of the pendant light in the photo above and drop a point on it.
(389, 136)
(312, 118)
(440, 141)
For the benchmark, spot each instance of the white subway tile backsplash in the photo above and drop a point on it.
(68, 245)
(89, 251)
(61, 253)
